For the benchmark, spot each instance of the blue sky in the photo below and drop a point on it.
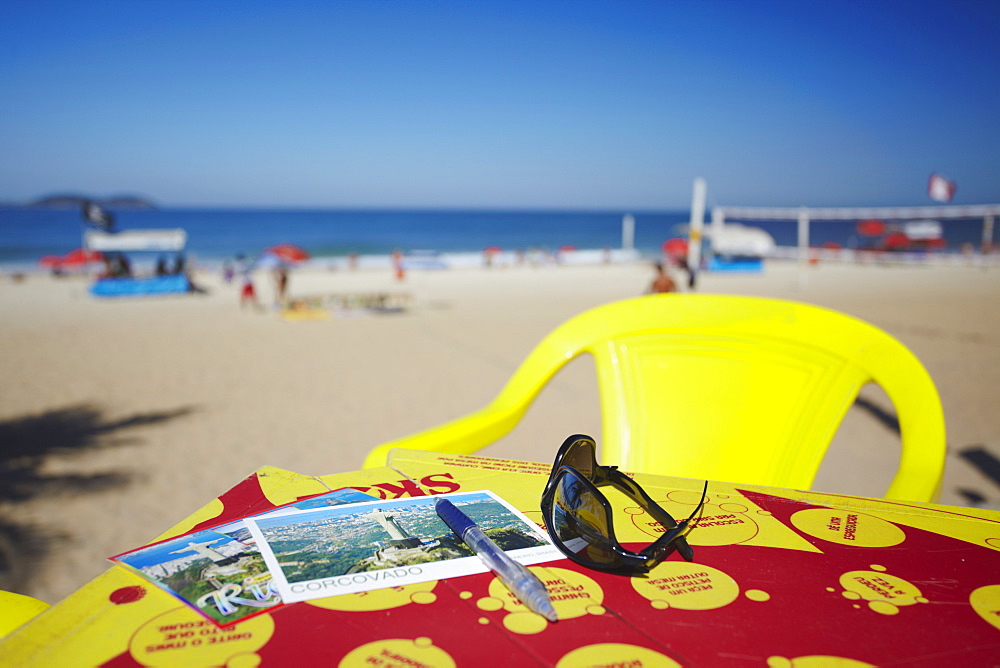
(510, 104)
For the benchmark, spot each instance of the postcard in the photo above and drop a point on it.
(219, 571)
(220, 577)
(364, 546)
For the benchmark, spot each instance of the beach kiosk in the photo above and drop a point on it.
(738, 248)
(116, 244)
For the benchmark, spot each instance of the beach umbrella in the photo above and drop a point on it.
(50, 261)
(288, 252)
(871, 227)
(82, 256)
(675, 247)
(492, 250)
(897, 241)
(567, 248)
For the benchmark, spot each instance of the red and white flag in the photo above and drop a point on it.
(940, 189)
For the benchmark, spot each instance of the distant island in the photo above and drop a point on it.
(73, 201)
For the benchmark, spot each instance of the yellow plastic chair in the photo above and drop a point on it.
(17, 610)
(736, 389)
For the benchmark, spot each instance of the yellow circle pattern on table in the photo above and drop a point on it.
(815, 661)
(379, 599)
(687, 586)
(525, 623)
(884, 592)
(398, 652)
(615, 654)
(986, 602)
(691, 498)
(182, 637)
(848, 528)
(490, 604)
(573, 595)
(248, 660)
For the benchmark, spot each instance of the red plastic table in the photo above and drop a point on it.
(781, 578)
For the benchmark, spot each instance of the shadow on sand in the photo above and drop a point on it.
(26, 444)
(886, 418)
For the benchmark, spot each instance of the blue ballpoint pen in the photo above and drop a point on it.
(518, 579)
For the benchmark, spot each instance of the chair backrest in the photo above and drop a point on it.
(736, 389)
(741, 389)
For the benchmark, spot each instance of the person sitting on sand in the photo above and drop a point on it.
(662, 282)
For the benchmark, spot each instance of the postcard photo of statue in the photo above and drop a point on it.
(223, 579)
(365, 546)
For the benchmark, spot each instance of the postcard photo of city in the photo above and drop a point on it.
(364, 546)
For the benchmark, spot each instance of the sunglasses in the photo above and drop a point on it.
(578, 516)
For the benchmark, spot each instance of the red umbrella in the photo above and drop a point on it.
(871, 227)
(82, 256)
(676, 247)
(568, 248)
(288, 252)
(492, 250)
(50, 261)
(897, 241)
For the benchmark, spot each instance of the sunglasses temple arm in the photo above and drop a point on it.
(676, 539)
(680, 531)
(699, 508)
(681, 543)
(686, 550)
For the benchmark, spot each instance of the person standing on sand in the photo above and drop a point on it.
(247, 292)
(662, 282)
(281, 284)
(691, 273)
(397, 265)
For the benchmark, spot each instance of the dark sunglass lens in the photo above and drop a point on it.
(582, 457)
(579, 521)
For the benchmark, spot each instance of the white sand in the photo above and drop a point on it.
(244, 389)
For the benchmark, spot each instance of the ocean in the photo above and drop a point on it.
(215, 235)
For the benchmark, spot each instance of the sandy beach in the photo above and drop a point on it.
(120, 417)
